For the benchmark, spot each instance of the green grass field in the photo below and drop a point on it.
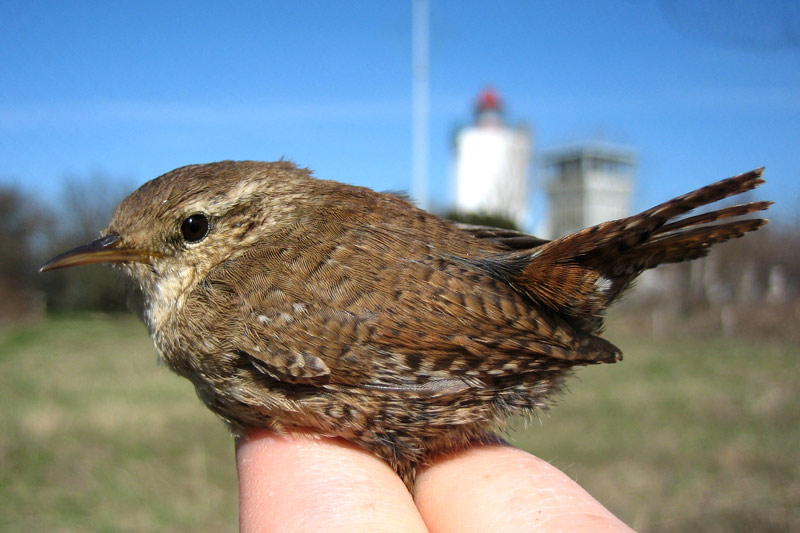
(683, 435)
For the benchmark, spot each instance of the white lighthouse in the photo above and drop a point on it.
(492, 161)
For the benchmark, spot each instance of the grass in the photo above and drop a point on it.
(685, 434)
(695, 434)
(94, 436)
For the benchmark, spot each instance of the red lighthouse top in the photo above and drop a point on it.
(489, 100)
(489, 108)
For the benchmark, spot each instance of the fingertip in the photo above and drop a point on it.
(302, 482)
(498, 488)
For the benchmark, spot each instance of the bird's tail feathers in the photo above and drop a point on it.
(580, 274)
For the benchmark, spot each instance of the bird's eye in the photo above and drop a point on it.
(195, 227)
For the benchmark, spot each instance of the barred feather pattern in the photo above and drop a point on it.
(315, 304)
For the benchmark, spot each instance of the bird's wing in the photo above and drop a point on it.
(507, 238)
(365, 306)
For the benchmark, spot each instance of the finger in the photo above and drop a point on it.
(300, 483)
(500, 488)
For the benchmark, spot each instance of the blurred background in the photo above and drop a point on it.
(544, 116)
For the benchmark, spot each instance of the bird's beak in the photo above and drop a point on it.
(105, 249)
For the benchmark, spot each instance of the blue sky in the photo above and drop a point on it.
(702, 90)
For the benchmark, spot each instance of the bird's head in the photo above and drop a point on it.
(177, 227)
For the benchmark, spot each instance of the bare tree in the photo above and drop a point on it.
(20, 223)
(85, 208)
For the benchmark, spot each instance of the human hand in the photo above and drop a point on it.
(302, 482)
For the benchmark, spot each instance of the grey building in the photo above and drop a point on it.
(588, 184)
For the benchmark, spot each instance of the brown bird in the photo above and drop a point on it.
(293, 302)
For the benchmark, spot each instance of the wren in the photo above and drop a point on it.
(293, 302)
